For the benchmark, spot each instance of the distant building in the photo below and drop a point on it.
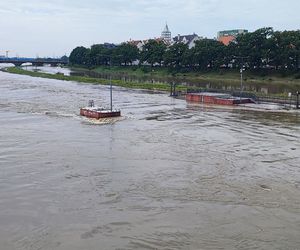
(226, 40)
(228, 36)
(187, 39)
(166, 35)
(138, 43)
(109, 45)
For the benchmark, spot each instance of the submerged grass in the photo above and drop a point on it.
(222, 75)
(128, 84)
(91, 80)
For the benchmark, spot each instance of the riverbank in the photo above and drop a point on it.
(259, 83)
(231, 76)
(120, 78)
(93, 80)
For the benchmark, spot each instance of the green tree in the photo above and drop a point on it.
(209, 53)
(255, 47)
(125, 54)
(153, 52)
(288, 49)
(80, 56)
(176, 55)
(100, 54)
(65, 59)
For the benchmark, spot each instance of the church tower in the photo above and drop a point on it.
(166, 34)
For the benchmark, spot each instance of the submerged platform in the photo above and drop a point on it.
(217, 98)
(98, 112)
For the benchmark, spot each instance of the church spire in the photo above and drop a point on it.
(167, 27)
(166, 34)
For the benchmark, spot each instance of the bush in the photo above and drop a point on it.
(297, 76)
(146, 69)
(184, 70)
(221, 72)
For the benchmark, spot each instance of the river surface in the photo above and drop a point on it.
(168, 175)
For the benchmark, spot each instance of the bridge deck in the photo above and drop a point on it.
(34, 61)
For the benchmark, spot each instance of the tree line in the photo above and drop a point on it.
(263, 48)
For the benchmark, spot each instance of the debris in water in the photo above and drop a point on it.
(265, 187)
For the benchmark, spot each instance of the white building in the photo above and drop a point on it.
(190, 40)
(138, 43)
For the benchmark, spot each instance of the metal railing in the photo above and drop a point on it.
(293, 100)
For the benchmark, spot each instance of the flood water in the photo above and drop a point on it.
(169, 175)
(250, 86)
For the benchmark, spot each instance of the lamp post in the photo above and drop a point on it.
(111, 100)
(241, 72)
(110, 81)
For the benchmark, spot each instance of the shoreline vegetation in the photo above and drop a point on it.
(230, 76)
(226, 77)
(94, 80)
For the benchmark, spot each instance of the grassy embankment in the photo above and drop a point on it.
(91, 80)
(280, 82)
(222, 75)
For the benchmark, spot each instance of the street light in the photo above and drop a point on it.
(111, 100)
(241, 72)
(110, 81)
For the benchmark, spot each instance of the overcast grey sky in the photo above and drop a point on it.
(55, 27)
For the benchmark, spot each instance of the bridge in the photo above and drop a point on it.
(34, 61)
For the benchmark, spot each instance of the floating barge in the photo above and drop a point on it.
(98, 113)
(217, 98)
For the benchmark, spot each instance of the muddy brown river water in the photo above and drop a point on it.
(169, 175)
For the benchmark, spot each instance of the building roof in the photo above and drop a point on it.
(188, 38)
(135, 42)
(226, 40)
(109, 45)
(166, 29)
(158, 39)
(232, 32)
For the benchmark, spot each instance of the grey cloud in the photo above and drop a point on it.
(78, 22)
